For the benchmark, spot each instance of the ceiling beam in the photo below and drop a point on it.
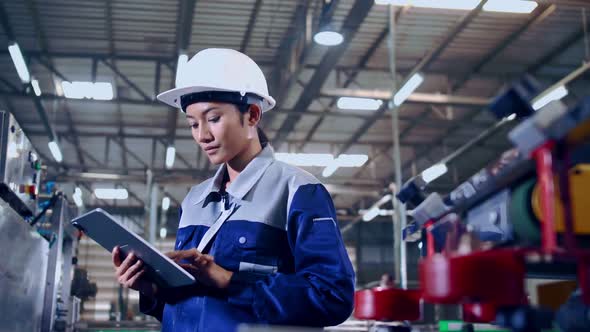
(350, 26)
(565, 45)
(4, 20)
(539, 15)
(424, 63)
(250, 28)
(130, 83)
(185, 17)
(287, 62)
(351, 78)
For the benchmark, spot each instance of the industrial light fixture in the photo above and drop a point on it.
(328, 37)
(55, 151)
(77, 197)
(170, 156)
(36, 87)
(375, 210)
(327, 34)
(407, 89)
(434, 172)
(163, 232)
(326, 160)
(438, 4)
(165, 203)
(510, 6)
(371, 214)
(88, 90)
(19, 62)
(504, 6)
(345, 160)
(353, 103)
(322, 159)
(110, 193)
(556, 94)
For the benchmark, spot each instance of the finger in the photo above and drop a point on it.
(116, 257)
(190, 268)
(136, 277)
(172, 254)
(190, 254)
(201, 261)
(132, 270)
(129, 260)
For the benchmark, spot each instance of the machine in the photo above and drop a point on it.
(525, 215)
(38, 243)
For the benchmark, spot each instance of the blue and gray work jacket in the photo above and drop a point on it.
(282, 242)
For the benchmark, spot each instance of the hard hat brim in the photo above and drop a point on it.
(172, 96)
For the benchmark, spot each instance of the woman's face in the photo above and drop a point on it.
(219, 129)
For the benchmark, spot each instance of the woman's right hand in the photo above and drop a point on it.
(130, 272)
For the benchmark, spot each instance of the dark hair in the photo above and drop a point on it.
(243, 108)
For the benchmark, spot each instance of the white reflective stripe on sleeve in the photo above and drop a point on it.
(323, 219)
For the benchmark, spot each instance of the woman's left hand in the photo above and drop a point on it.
(202, 267)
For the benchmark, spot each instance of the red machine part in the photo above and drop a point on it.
(387, 304)
(493, 276)
(479, 312)
(544, 159)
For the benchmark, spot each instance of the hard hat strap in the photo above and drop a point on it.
(219, 96)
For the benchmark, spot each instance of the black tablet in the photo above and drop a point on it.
(108, 232)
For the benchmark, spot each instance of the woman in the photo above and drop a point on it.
(261, 236)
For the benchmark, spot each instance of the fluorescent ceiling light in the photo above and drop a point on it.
(345, 160)
(375, 210)
(19, 63)
(555, 94)
(36, 87)
(103, 91)
(352, 103)
(510, 6)
(411, 85)
(371, 214)
(329, 170)
(504, 6)
(323, 160)
(433, 172)
(438, 4)
(77, 197)
(165, 203)
(511, 117)
(107, 193)
(55, 151)
(163, 232)
(328, 38)
(170, 156)
(88, 90)
(383, 200)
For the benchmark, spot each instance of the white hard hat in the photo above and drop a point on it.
(219, 70)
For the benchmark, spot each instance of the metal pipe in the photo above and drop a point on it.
(564, 81)
(153, 213)
(399, 218)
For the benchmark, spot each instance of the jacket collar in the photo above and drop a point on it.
(245, 180)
